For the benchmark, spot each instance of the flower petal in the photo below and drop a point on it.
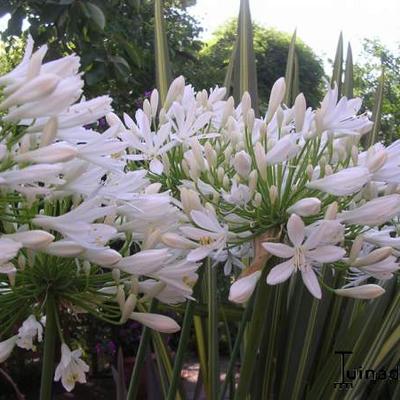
(279, 249)
(326, 254)
(281, 272)
(311, 281)
(295, 227)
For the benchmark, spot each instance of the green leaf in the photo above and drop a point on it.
(289, 74)
(97, 15)
(245, 71)
(163, 65)
(338, 65)
(348, 75)
(377, 111)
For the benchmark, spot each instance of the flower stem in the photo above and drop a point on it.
(48, 351)
(140, 357)
(212, 332)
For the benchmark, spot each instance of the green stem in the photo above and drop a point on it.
(183, 340)
(212, 332)
(236, 346)
(49, 349)
(140, 358)
(256, 330)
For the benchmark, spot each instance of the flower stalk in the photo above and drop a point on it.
(49, 349)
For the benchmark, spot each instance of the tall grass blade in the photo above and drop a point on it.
(163, 65)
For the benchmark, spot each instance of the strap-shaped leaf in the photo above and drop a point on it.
(290, 70)
(296, 78)
(245, 72)
(348, 85)
(377, 111)
(338, 65)
(229, 72)
(163, 66)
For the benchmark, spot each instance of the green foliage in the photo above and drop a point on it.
(367, 75)
(114, 38)
(11, 54)
(271, 49)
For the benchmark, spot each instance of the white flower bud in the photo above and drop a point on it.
(276, 98)
(228, 110)
(147, 109)
(116, 275)
(49, 132)
(365, 292)
(128, 307)
(158, 322)
(356, 248)
(280, 116)
(300, 107)
(331, 211)
(33, 90)
(246, 104)
(54, 153)
(253, 178)
(120, 297)
(257, 200)
(190, 200)
(273, 194)
(306, 207)
(310, 171)
(242, 164)
(154, 102)
(261, 159)
(175, 91)
(250, 118)
(226, 182)
(220, 173)
(210, 154)
(35, 239)
(241, 290)
(373, 257)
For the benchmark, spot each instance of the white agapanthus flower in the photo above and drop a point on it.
(71, 368)
(28, 332)
(304, 254)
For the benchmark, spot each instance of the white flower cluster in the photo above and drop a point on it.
(69, 201)
(239, 178)
(194, 177)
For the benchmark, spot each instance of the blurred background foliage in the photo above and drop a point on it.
(115, 41)
(367, 70)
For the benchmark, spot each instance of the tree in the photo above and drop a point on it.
(114, 39)
(374, 56)
(271, 49)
